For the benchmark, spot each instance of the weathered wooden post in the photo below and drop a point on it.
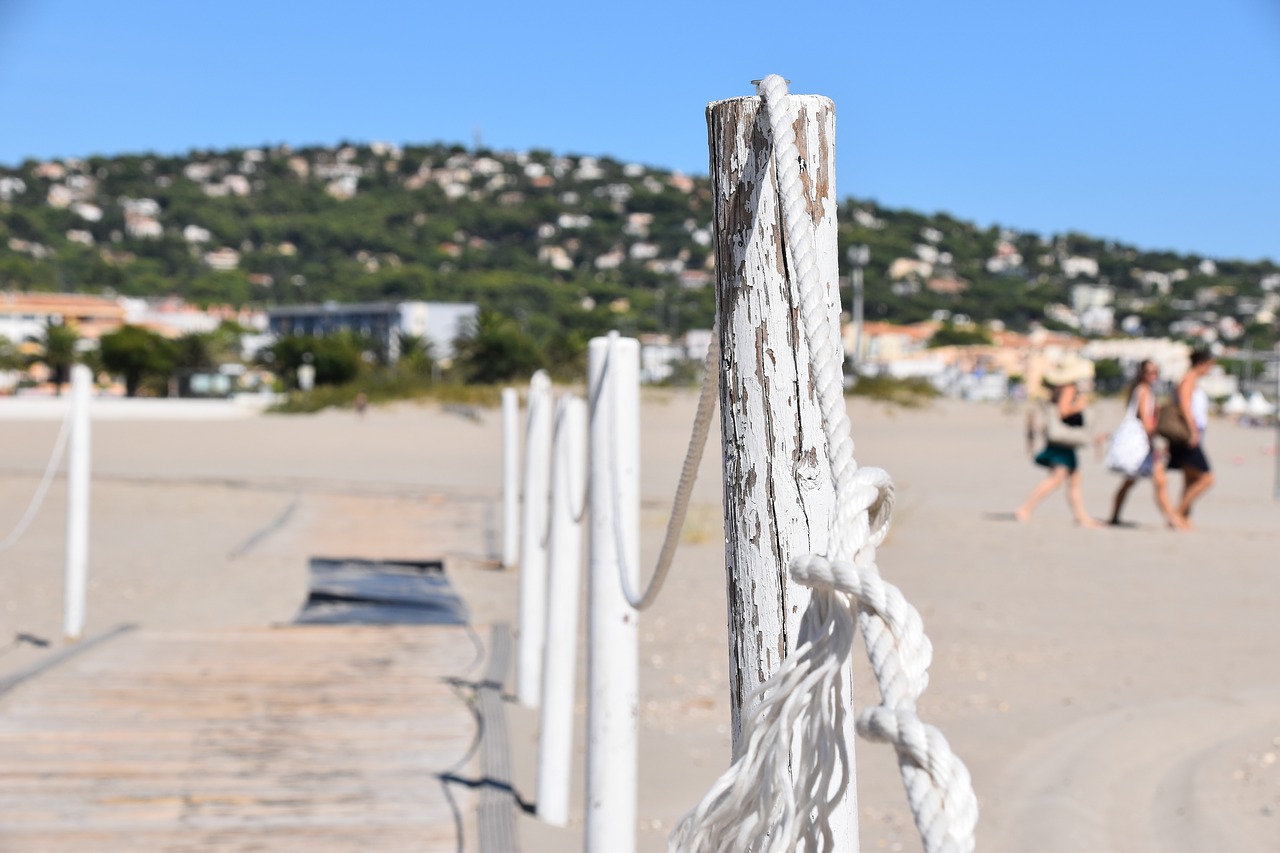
(779, 499)
(510, 477)
(559, 668)
(533, 548)
(78, 462)
(613, 382)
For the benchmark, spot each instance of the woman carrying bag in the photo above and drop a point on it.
(1131, 452)
(1065, 432)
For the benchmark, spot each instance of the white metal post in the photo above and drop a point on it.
(78, 462)
(568, 492)
(510, 477)
(533, 547)
(613, 380)
(1276, 414)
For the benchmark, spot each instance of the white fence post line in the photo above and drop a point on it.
(779, 499)
(559, 669)
(613, 380)
(78, 462)
(533, 548)
(510, 477)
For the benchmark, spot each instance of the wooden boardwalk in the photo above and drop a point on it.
(320, 738)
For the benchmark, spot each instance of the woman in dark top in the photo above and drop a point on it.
(1067, 403)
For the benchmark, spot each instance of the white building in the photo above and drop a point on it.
(438, 323)
(1074, 267)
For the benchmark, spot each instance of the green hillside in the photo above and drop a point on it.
(557, 242)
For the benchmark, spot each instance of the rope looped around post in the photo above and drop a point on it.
(765, 801)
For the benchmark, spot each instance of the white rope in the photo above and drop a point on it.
(688, 474)
(562, 469)
(756, 805)
(539, 396)
(37, 499)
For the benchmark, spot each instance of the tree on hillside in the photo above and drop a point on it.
(496, 349)
(950, 335)
(138, 355)
(58, 353)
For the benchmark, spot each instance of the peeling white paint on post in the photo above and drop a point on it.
(533, 542)
(510, 477)
(78, 463)
(613, 382)
(568, 492)
(779, 500)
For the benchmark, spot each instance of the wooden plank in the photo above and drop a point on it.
(317, 738)
(496, 820)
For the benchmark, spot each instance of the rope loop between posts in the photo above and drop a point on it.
(37, 499)
(539, 396)
(688, 472)
(561, 469)
(761, 802)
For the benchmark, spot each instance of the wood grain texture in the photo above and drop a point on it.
(315, 738)
(778, 495)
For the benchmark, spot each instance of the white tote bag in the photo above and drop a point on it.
(1129, 444)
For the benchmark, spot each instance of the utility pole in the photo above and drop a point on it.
(859, 255)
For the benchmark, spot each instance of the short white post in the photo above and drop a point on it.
(613, 380)
(78, 462)
(1277, 417)
(779, 499)
(568, 492)
(533, 543)
(510, 477)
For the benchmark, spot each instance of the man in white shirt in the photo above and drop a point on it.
(1190, 457)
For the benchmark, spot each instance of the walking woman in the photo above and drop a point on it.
(1132, 451)
(1064, 432)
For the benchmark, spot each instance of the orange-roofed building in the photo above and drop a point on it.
(886, 341)
(27, 315)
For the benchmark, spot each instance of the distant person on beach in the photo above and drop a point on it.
(1132, 451)
(1064, 431)
(1189, 457)
(362, 403)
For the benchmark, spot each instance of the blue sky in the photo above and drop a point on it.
(1154, 123)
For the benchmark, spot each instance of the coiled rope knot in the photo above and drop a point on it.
(937, 782)
(865, 512)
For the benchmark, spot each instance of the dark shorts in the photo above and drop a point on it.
(1057, 456)
(1186, 456)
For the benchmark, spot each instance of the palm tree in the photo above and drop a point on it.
(58, 352)
(416, 354)
(495, 349)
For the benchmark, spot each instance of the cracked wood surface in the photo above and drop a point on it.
(778, 496)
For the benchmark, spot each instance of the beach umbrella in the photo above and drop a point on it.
(1236, 405)
(1258, 405)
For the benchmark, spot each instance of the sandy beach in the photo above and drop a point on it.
(1114, 689)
